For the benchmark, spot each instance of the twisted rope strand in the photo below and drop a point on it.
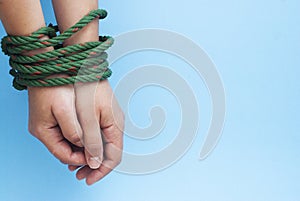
(90, 57)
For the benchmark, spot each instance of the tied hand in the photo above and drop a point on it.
(102, 122)
(65, 119)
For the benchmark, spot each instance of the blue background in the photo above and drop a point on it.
(255, 46)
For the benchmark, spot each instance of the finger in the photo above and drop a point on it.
(83, 172)
(112, 125)
(89, 121)
(68, 122)
(95, 175)
(76, 148)
(60, 148)
(73, 167)
(113, 138)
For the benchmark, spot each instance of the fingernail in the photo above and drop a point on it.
(94, 162)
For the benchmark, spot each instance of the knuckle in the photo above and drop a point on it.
(62, 109)
(75, 137)
(35, 130)
(119, 119)
(76, 161)
(122, 116)
(118, 159)
(56, 153)
(123, 120)
(63, 161)
(30, 129)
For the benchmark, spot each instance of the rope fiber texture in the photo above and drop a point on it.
(85, 62)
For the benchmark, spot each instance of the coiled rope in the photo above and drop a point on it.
(85, 62)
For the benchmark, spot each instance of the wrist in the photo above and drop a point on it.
(39, 51)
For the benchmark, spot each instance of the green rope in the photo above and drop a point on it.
(85, 62)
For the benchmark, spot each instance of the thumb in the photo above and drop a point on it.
(89, 121)
(92, 140)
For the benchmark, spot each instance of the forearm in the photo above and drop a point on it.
(21, 18)
(68, 12)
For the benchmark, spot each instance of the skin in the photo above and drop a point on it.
(46, 121)
(81, 125)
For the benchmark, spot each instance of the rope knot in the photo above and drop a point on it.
(16, 84)
(52, 33)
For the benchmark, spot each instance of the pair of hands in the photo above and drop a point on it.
(81, 125)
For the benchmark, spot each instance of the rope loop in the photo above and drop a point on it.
(84, 62)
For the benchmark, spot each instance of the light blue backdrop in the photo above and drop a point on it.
(255, 46)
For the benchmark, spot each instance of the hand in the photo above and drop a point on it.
(53, 120)
(102, 121)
